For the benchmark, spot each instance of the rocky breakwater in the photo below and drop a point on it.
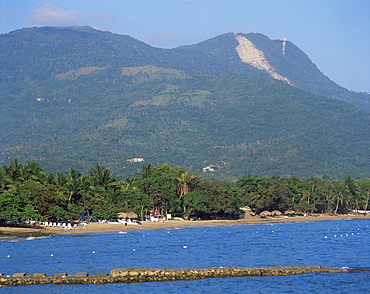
(137, 275)
(134, 275)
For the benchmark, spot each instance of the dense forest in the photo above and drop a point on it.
(73, 96)
(241, 125)
(27, 191)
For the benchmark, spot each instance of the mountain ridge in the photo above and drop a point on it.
(73, 97)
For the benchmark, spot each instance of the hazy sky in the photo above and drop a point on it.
(334, 34)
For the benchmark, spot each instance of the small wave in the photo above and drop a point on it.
(356, 269)
(10, 240)
(35, 238)
(24, 239)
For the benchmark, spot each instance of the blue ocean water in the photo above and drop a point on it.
(327, 243)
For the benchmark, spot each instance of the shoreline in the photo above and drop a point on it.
(27, 232)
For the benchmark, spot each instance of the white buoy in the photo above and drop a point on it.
(185, 247)
(51, 254)
(93, 252)
(8, 256)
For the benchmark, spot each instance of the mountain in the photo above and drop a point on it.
(279, 59)
(231, 105)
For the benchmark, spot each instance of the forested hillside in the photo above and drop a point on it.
(75, 96)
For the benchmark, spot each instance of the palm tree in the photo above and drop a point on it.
(16, 173)
(58, 179)
(367, 201)
(10, 177)
(182, 187)
(127, 184)
(31, 171)
(339, 196)
(183, 180)
(11, 171)
(146, 171)
(100, 176)
(73, 183)
(353, 189)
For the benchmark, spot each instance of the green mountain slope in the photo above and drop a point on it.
(76, 96)
(293, 64)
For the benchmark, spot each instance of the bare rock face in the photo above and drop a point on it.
(249, 54)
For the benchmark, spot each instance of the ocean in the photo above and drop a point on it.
(342, 243)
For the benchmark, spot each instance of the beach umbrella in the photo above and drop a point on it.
(289, 212)
(122, 215)
(276, 212)
(265, 213)
(131, 215)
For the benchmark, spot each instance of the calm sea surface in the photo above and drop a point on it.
(343, 243)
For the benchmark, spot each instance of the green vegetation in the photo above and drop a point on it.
(29, 192)
(75, 96)
(241, 125)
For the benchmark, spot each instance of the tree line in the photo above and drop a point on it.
(29, 192)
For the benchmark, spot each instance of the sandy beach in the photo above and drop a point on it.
(26, 232)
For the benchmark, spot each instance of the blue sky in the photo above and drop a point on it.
(334, 34)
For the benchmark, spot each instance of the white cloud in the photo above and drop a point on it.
(48, 13)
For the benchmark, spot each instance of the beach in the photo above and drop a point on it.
(40, 230)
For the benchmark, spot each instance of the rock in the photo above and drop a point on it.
(18, 275)
(81, 275)
(60, 275)
(39, 275)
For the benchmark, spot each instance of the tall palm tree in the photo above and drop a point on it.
(182, 187)
(339, 196)
(183, 180)
(73, 183)
(351, 185)
(100, 176)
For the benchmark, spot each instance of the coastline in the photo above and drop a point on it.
(26, 232)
